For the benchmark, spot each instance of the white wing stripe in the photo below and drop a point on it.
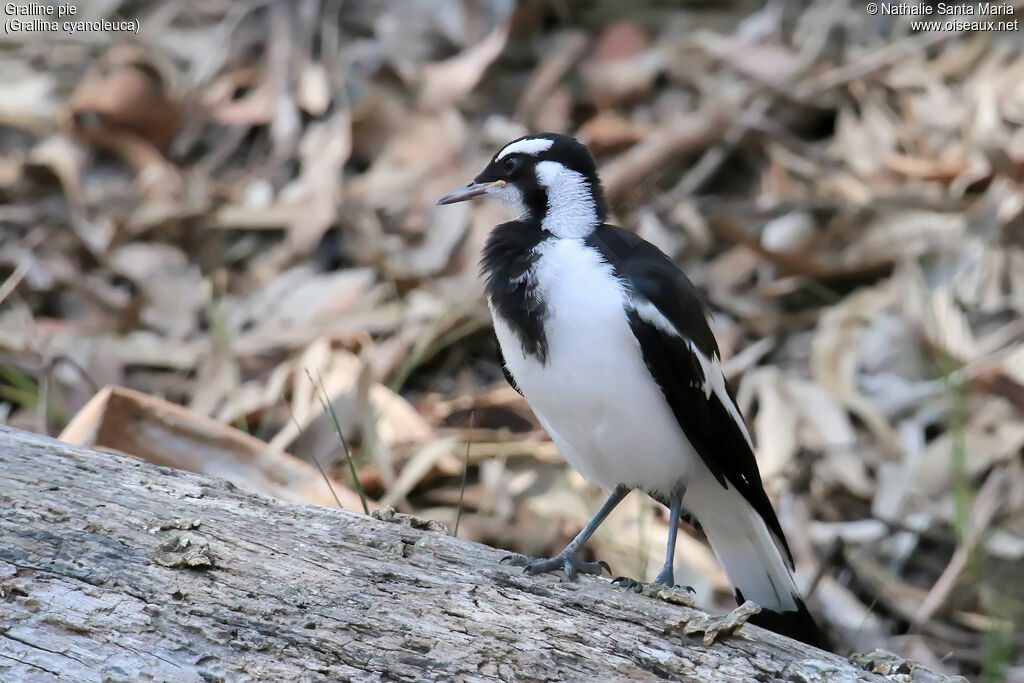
(713, 376)
(648, 312)
(714, 379)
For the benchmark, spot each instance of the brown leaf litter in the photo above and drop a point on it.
(200, 227)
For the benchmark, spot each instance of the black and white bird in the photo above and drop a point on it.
(609, 343)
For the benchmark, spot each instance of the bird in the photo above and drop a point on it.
(610, 344)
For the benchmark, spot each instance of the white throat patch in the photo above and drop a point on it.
(528, 146)
(511, 197)
(571, 209)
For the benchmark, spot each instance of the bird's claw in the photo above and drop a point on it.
(645, 588)
(570, 563)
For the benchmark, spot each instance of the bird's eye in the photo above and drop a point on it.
(510, 165)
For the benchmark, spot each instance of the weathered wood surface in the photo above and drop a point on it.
(118, 570)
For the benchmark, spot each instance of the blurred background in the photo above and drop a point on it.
(209, 228)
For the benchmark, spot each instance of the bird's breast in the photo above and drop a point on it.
(592, 391)
(584, 320)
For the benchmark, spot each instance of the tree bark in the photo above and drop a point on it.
(115, 569)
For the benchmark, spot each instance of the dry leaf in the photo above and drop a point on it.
(447, 82)
(167, 434)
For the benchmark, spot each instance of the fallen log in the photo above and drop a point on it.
(114, 569)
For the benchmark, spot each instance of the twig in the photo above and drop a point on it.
(465, 470)
(329, 409)
(713, 158)
(875, 61)
(833, 555)
(13, 279)
(987, 503)
(684, 136)
(316, 461)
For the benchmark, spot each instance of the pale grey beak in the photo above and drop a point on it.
(469, 192)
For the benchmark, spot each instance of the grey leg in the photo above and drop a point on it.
(666, 576)
(568, 560)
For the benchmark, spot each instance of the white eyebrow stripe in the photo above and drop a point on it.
(527, 146)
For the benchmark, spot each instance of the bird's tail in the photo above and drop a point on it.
(753, 560)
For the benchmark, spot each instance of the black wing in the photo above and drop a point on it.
(669, 319)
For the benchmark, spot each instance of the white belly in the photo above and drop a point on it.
(595, 396)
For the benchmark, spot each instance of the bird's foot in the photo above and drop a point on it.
(568, 562)
(656, 589)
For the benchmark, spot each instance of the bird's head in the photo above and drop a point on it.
(550, 178)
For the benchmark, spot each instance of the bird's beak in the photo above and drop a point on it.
(470, 191)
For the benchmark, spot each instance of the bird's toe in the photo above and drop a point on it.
(542, 566)
(570, 563)
(653, 589)
(517, 560)
(628, 583)
(595, 568)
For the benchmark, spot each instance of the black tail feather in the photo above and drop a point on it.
(797, 624)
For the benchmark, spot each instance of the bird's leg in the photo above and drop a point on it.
(569, 560)
(666, 577)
